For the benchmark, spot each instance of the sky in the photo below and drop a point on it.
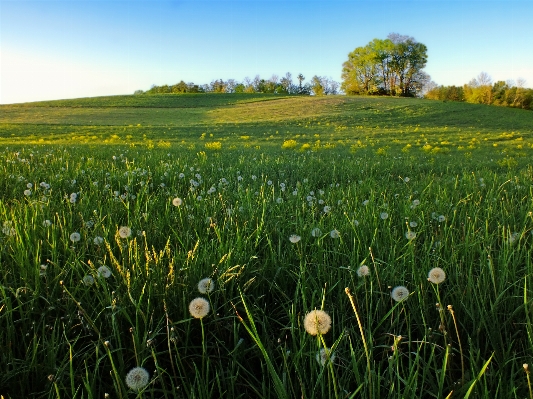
(84, 48)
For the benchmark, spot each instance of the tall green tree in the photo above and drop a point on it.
(391, 66)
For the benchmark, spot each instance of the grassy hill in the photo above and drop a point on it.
(267, 119)
(118, 213)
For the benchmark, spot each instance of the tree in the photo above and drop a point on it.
(479, 90)
(317, 86)
(300, 78)
(360, 72)
(392, 66)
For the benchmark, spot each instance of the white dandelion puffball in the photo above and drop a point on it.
(327, 209)
(317, 322)
(316, 232)
(322, 356)
(399, 293)
(27, 193)
(177, 201)
(334, 233)
(98, 240)
(410, 235)
(436, 275)
(124, 232)
(294, 238)
(206, 285)
(47, 223)
(363, 271)
(75, 237)
(413, 224)
(441, 218)
(88, 280)
(137, 378)
(104, 271)
(384, 215)
(406, 179)
(416, 202)
(365, 202)
(199, 308)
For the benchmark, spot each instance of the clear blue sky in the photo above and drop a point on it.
(75, 48)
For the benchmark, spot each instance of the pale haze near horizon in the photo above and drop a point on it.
(68, 49)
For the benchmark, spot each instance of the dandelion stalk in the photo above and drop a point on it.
(526, 369)
(347, 290)
(460, 346)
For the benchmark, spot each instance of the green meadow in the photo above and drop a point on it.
(342, 247)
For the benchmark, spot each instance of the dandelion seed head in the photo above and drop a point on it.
(199, 307)
(104, 271)
(47, 223)
(317, 322)
(363, 271)
(413, 224)
(334, 233)
(316, 232)
(400, 293)
(410, 235)
(75, 237)
(137, 378)
(383, 215)
(441, 218)
(327, 209)
(436, 275)
(322, 356)
(27, 193)
(294, 238)
(98, 240)
(124, 232)
(177, 201)
(88, 280)
(206, 285)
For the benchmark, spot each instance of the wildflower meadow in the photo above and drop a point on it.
(324, 248)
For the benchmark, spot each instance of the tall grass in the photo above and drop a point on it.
(68, 331)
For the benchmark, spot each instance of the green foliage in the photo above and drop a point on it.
(392, 66)
(482, 91)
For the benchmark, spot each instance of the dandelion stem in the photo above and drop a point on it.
(460, 346)
(347, 290)
(375, 268)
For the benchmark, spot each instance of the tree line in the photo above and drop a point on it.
(482, 90)
(318, 85)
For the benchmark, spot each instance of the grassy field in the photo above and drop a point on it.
(115, 210)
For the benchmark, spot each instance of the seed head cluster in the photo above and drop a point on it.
(199, 308)
(436, 275)
(317, 322)
(137, 378)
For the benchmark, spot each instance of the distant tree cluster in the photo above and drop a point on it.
(318, 86)
(393, 66)
(482, 90)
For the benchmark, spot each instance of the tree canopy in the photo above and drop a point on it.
(393, 66)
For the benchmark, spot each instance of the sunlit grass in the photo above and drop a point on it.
(106, 243)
